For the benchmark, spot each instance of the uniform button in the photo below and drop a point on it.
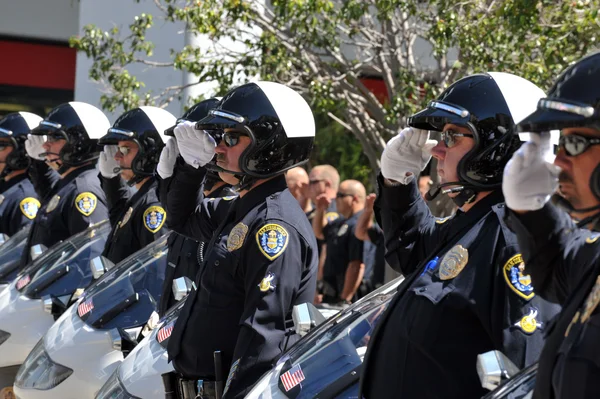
(216, 263)
(422, 289)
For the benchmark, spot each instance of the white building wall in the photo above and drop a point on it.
(40, 19)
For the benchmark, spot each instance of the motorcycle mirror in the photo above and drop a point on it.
(3, 238)
(36, 250)
(100, 265)
(181, 287)
(493, 368)
(306, 317)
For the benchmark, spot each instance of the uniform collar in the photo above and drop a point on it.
(74, 174)
(150, 183)
(483, 206)
(6, 185)
(259, 194)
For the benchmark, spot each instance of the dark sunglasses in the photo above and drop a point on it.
(231, 139)
(574, 144)
(342, 195)
(53, 138)
(449, 137)
(124, 150)
(317, 181)
(3, 146)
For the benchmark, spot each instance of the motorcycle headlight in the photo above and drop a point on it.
(114, 389)
(3, 336)
(39, 371)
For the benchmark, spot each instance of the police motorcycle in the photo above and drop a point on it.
(11, 249)
(30, 304)
(89, 340)
(498, 374)
(327, 361)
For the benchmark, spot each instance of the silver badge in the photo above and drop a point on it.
(53, 203)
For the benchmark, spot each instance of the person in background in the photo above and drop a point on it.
(297, 181)
(368, 231)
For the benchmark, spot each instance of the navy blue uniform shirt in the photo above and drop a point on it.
(18, 204)
(261, 261)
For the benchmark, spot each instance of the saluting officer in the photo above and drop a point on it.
(67, 182)
(185, 254)
(132, 148)
(261, 258)
(562, 259)
(465, 292)
(18, 200)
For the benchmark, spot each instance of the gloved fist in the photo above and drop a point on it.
(529, 179)
(107, 163)
(34, 145)
(195, 146)
(406, 155)
(168, 156)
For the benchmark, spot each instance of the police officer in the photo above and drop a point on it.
(297, 182)
(18, 200)
(262, 257)
(562, 259)
(185, 254)
(132, 148)
(344, 264)
(465, 292)
(67, 182)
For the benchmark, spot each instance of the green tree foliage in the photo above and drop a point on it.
(324, 47)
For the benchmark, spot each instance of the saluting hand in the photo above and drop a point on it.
(195, 146)
(106, 162)
(168, 157)
(406, 155)
(34, 146)
(323, 202)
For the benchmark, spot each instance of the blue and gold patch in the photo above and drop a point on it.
(331, 216)
(154, 218)
(272, 240)
(86, 203)
(517, 281)
(29, 206)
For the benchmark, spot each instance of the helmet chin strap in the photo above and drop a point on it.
(564, 204)
(131, 182)
(467, 192)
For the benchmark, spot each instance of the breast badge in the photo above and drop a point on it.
(29, 206)
(126, 217)
(528, 324)
(236, 237)
(453, 262)
(591, 302)
(266, 284)
(86, 203)
(53, 203)
(343, 230)
(518, 282)
(154, 218)
(272, 240)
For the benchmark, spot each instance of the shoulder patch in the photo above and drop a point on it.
(53, 203)
(331, 216)
(518, 282)
(272, 240)
(154, 218)
(29, 206)
(86, 203)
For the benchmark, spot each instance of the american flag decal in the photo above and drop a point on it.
(85, 307)
(165, 332)
(23, 281)
(292, 377)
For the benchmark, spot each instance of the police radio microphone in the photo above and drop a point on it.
(118, 169)
(440, 188)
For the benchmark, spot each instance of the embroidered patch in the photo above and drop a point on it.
(343, 230)
(331, 216)
(517, 281)
(53, 203)
(292, 377)
(591, 301)
(236, 237)
(528, 324)
(272, 240)
(86, 203)
(29, 206)
(592, 239)
(231, 375)
(126, 217)
(453, 262)
(154, 218)
(266, 284)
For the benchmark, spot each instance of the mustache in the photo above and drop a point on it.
(564, 177)
(220, 157)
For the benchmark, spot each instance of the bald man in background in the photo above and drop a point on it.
(345, 261)
(297, 182)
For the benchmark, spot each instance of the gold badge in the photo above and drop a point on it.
(29, 206)
(126, 217)
(343, 230)
(266, 283)
(236, 237)
(518, 282)
(591, 302)
(453, 262)
(86, 203)
(53, 203)
(528, 323)
(443, 220)
(592, 239)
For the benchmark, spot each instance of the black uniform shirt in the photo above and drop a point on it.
(18, 204)
(75, 202)
(443, 316)
(142, 221)
(261, 261)
(342, 248)
(564, 264)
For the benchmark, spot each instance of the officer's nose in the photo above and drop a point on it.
(221, 148)
(439, 151)
(46, 146)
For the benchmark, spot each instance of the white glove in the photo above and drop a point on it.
(406, 155)
(195, 146)
(529, 179)
(168, 156)
(34, 145)
(107, 163)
